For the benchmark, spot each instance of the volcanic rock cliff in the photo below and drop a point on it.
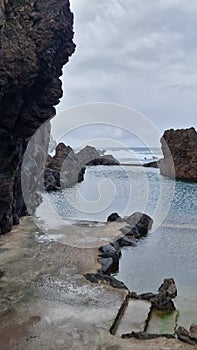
(180, 154)
(36, 40)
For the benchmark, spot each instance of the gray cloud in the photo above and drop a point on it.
(138, 53)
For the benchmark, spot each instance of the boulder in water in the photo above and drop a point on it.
(184, 336)
(114, 217)
(106, 265)
(126, 242)
(133, 232)
(193, 331)
(168, 288)
(141, 221)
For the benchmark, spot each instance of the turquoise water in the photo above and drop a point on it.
(170, 249)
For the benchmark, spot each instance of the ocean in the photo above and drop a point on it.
(106, 189)
(170, 249)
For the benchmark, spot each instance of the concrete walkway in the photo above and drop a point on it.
(47, 304)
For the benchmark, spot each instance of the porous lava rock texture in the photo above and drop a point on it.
(36, 40)
(180, 154)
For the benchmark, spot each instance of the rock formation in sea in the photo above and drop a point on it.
(180, 154)
(36, 41)
(66, 167)
(91, 156)
(63, 169)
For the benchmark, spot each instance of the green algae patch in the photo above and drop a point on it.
(162, 322)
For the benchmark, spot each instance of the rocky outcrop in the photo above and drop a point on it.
(91, 156)
(63, 169)
(66, 167)
(180, 154)
(168, 288)
(36, 41)
(162, 301)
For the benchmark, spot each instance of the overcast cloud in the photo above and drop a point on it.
(139, 53)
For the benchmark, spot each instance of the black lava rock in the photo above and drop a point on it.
(114, 217)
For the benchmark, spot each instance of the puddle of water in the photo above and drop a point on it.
(134, 318)
(161, 322)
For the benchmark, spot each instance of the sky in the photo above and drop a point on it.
(136, 53)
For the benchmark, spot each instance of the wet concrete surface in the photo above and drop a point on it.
(47, 304)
